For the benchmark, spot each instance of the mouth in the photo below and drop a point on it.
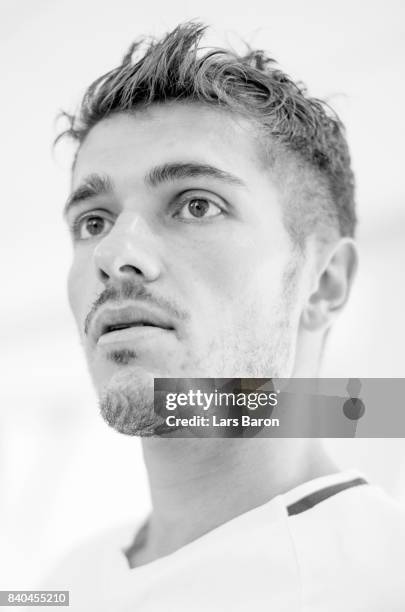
(128, 323)
(107, 329)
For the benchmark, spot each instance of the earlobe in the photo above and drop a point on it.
(333, 286)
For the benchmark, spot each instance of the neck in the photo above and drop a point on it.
(197, 485)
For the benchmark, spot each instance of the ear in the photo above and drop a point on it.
(332, 286)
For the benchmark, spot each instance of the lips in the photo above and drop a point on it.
(110, 328)
(115, 319)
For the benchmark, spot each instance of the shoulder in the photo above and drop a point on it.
(350, 549)
(358, 509)
(92, 559)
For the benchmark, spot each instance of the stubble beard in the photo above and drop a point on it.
(256, 347)
(127, 401)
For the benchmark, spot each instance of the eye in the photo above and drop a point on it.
(90, 225)
(198, 207)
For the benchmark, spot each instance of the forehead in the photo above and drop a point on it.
(170, 132)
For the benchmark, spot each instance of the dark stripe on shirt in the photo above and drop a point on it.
(319, 496)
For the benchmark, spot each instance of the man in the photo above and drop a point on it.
(212, 217)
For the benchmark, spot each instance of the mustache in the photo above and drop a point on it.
(129, 290)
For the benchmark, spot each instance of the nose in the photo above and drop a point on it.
(129, 249)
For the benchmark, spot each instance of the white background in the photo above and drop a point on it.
(63, 473)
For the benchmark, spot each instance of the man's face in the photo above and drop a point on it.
(182, 265)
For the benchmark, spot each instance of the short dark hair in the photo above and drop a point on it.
(301, 134)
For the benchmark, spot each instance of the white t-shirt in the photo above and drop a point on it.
(335, 544)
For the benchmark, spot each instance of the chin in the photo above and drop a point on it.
(127, 402)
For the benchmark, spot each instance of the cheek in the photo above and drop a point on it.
(241, 270)
(79, 283)
(214, 273)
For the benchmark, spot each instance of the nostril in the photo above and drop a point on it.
(103, 275)
(115, 271)
(130, 269)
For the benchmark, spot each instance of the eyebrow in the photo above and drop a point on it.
(93, 185)
(175, 171)
(96, 184)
